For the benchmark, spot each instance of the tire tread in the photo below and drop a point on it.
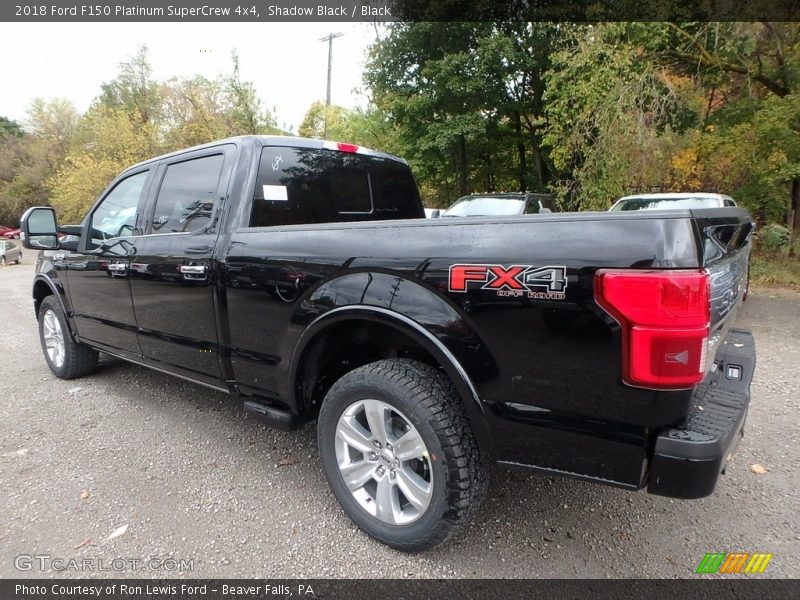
(79, 360)
(431, 390)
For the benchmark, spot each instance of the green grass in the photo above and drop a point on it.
(776, 269)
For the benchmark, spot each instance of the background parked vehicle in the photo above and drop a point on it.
(10, 252)
(491, 205)
(433, 213)
(4, 230)
(668, 201)
(12, 234)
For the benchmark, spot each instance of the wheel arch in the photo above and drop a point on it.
(304, 372)
(44, 286)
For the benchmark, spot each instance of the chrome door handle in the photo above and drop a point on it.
(194, 271)
(117, 267)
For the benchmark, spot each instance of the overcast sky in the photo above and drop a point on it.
(286, 61)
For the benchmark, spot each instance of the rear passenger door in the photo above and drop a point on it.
(172, 275)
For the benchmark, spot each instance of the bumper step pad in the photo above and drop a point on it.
(688, 460)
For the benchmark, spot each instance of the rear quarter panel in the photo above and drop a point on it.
(547, 372)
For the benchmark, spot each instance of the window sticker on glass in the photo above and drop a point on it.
(275, 192)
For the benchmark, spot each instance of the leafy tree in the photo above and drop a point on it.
(194, 111)
(423, 76)
(244, 107)
(9, 127)
(765, 54)
(468, 100)
(591, 111)
(12, 156)
(313, 124)
(368, 127)
(756, 69)
(136, 117)
(52, 125)
(515, 58)
(134, 90)
(109, 141)
(612, 117)
(28, 159)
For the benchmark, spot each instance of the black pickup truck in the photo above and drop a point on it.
(301, 277)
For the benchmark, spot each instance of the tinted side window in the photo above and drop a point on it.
(115, 216)
(187, 194)
(298, 186)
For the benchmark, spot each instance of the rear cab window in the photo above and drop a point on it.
(297, 186)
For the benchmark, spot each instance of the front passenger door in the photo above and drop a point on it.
(98, 275)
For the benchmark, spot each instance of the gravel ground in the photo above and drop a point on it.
(192, 478)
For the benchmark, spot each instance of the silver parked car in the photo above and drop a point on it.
(668, 200)
(501, 204)
(10, 252)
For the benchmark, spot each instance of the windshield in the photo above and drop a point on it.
(481, 206)
(666, 203)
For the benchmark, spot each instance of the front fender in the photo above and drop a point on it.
(46, 283)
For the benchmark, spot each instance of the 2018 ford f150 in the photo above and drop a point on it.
(302, 278)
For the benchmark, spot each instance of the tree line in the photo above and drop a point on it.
(66, 159)
(589, 112)
(596, 111)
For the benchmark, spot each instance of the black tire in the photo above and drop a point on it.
(19, 260)
(79, 359)
(428, 399)
(2, 261)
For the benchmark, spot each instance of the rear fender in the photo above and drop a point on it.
(417, 311)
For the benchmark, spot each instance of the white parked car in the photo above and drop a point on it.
(10, 252)
(668, 200)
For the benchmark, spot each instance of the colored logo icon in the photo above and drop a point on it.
(735, 562)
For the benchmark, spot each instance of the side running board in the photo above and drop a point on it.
(272, 416)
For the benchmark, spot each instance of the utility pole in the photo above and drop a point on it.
(328, 38)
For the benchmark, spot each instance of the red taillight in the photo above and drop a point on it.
(664, 317)
(342, 147)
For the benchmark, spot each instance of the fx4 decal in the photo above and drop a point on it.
(516, 281)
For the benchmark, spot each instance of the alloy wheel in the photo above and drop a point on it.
(384, 462)
(53, 338)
